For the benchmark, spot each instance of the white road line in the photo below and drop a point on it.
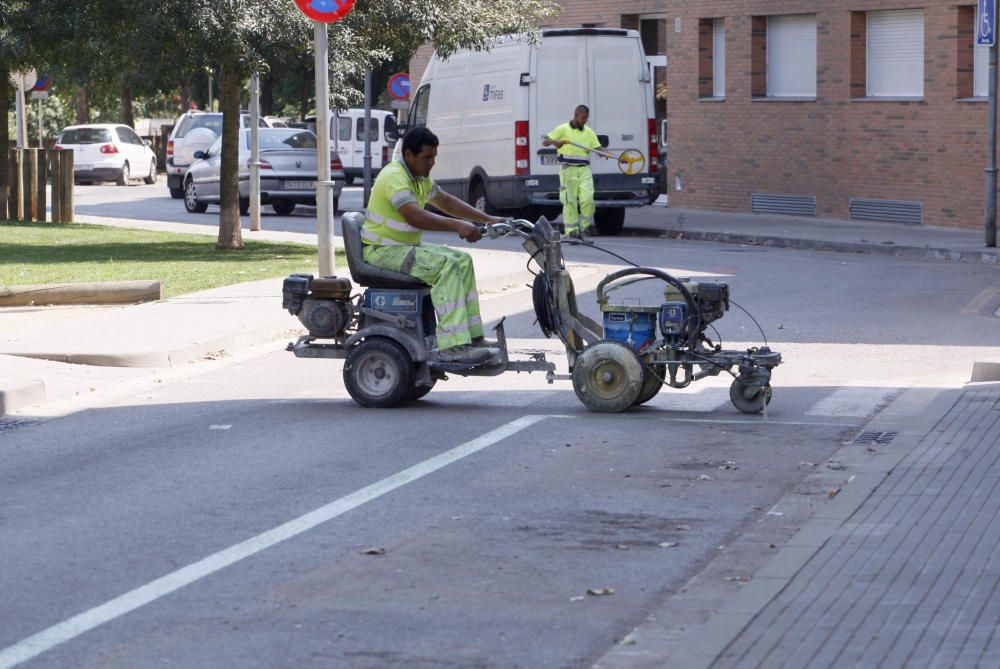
(854, 402)
(701, 401)
(71, 628)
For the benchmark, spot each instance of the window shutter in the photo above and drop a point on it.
(896, 53)
(791, 56)
(719, 58)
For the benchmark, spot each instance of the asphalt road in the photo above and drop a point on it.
(222, 518)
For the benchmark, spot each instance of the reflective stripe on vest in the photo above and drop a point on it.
(386, 231)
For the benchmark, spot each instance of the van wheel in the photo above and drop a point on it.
(610, 221)
(478, 199)
(283, 207)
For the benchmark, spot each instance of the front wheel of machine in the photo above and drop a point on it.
(609, 222)
(651, 386)
(379, 373)
(749, 398)
(608, 377)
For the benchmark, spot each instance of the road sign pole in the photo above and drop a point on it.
(41, 133)
(991, 154)
(255, 152)
(324, 200)
(368, 135)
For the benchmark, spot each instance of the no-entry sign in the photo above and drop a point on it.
(326, 11)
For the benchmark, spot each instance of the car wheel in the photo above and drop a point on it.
(244, 207)
(125, 177)
(350, 180)
(151, 177)
(336, 204)
(283, 207)
(191, 202)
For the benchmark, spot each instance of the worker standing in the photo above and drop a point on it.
(394, 223)
(576, 181)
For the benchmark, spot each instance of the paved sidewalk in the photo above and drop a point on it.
(912, 578)
(911, 241)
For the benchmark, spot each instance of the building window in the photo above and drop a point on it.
(711, 58)
(790, 51)
(895, 54)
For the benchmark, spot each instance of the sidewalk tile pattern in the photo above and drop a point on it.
(912, 579)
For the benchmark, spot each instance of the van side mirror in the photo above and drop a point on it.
(604, 140)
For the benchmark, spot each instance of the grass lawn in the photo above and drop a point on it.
(53, 253)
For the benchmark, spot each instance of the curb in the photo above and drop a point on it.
(988, 257)
(698, 643)
(986, 370)
(192, 351)
(20, 395)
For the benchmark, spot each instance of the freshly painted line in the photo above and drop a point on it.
(650, 415)
(71, 628)
(703, 401)
(219, 427)
(854, 402)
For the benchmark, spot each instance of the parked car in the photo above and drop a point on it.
(194, 131)
(108, 152)
(491, 109)
(287, 177)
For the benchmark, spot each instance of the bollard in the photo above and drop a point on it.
(66, 210)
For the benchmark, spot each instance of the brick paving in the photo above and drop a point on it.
(912, 577)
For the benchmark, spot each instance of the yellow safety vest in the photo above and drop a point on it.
(395, 187)
(572, 155)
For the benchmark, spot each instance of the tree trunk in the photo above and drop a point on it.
(267, 96)
(185, 95)
(230, 233)
(82, 105)
(4, 138)
(128, 116)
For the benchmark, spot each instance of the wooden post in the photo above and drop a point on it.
(4, 189)
(42, 177)
(67, 212)
(36, 184)
(27, 179)
(14, 206)
(52, 159)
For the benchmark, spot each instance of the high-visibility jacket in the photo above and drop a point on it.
(572, 155)
(394, 188)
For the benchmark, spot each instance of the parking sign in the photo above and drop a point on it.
(986, 23)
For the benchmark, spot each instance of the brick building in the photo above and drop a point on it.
(868, 109)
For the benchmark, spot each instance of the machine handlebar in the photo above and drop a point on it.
(510, 226)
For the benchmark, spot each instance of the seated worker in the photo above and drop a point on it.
(394, 223)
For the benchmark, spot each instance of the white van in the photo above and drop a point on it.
(490, 110)
(349, 129)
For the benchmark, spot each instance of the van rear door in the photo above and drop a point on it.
(562, 82)
(618, 78)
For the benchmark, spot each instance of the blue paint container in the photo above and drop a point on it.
(635, 327)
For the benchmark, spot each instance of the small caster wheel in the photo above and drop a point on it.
(749, 398)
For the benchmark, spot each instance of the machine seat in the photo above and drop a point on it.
(363, 273)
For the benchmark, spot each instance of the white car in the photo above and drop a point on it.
(108, 152)
(287, 173)
(194, 131)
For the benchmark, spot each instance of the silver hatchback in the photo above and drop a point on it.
(287, 173)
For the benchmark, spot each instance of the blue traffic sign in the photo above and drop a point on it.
(986, 23)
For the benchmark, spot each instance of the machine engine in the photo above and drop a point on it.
(323, 305)
(712, 300)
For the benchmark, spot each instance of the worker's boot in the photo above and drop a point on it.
(483, 342)
(467, 354)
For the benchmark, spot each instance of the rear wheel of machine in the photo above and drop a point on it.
(610, 222)
(651, 386)
(607, 377)
(379, 373)
(418, 392)
(749, 398)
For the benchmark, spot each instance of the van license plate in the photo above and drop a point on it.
(549, 160)
(298, 185)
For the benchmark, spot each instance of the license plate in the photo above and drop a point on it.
(298, 185)
(83, 167)
(648, 180)
(549, 160)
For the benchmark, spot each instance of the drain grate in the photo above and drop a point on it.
(9, 424)
(880, 438)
